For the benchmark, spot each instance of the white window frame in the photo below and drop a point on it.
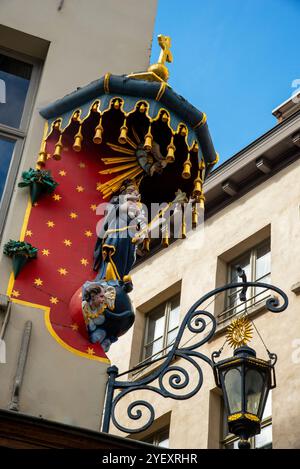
(252, 298)
(155, 438)
(18, 134)
(166, 331)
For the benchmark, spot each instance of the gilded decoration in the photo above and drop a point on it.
(123, 143)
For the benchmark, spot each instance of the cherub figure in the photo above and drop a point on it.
(95, 299)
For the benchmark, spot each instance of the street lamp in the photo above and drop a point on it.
(244, 379)
(245, 382)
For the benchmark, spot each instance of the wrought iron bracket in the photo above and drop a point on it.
(169, 379)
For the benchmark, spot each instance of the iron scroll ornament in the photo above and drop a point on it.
(195, 321)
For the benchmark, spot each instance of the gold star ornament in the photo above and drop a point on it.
(239, 332)
(38, 282)
(62, 271)
(15, 293)
(54, 300)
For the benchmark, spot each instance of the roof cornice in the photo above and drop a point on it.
(244, 170)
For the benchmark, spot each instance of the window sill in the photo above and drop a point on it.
(296, 288)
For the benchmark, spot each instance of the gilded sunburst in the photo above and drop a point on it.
(239, 332)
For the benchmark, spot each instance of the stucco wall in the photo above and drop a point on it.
(194, 264)
(86, 40)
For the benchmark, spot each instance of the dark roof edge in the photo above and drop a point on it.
(121, 84)
(259, 142)
(41, 423)
(237, 156)
(128, 86)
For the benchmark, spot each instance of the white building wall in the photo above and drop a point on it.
(78, 44)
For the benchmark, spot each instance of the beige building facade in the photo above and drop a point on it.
(252, 215)
(64, 45)
(252, 210)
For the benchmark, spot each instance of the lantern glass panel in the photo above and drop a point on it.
(264, 397)
(233, 387)
(254, 388)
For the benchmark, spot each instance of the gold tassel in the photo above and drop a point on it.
(123, 135)
(165, 238)
(41, 162)
(146, 244)
(197, 186)
(171, 152)
(186, 173)
(148, 140)
(78, 139)
(58, 149)
(164, 117)
(194, 217)
(183, 131)
(195, 147)
(117, 104)
(98, 133)
(202, 200)
(183, 229)
(75, 116)
(95, 106)
(42, 156)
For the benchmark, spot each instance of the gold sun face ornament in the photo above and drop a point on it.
(239, 332)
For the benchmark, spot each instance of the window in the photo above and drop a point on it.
(7, 146)
(161, 328)
(261, 441)
(257, 265)
(16, 75)
(160, 438)
(18, 84)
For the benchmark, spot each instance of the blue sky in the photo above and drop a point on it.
(233, 59)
